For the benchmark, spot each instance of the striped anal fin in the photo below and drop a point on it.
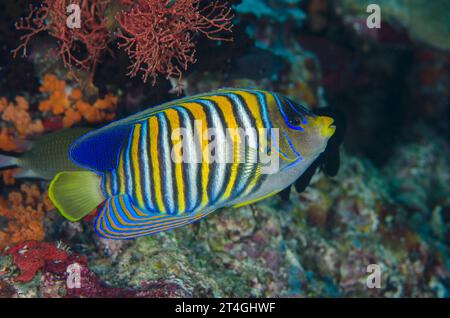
(120, 218)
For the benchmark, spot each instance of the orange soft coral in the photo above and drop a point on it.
(7, 142)
(57, 101)
(24, 212)
(17, 123)
(70, 103)
(18, 114)
(71, 117)
(107, 103)
(8, 176)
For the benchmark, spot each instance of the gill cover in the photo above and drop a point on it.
(329, 160)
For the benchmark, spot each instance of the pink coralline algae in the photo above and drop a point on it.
(32, 256)
(59, 269)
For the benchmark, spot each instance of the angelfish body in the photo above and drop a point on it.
(151, 184)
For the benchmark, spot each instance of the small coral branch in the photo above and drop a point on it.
(159, 35)
(33, 24)
(81, 47)
(215, 18)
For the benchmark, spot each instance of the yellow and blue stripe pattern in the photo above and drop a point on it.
(148, 192)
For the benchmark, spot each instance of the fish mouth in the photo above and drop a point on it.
(327, 129)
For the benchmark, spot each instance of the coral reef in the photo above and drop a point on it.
(71, 104)
(165, 48)
(389, 205)
(322, 247)
(51, 17)
(54, 263)
(22, 215)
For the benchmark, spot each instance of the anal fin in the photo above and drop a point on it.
(120, 218)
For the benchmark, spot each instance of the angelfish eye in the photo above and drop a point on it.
(295, 121)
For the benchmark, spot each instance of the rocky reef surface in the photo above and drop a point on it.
(389, 205)
(318, 244)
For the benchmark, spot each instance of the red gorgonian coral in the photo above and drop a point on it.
(158, 35)
(81, 47)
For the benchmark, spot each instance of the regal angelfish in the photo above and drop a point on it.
(152, 180)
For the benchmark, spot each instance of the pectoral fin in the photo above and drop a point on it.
(249, 158)
(305, 178)
(285, 194)
(331, 162)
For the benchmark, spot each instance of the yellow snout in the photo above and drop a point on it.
(324, 125)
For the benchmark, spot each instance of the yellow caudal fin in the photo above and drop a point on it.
(76, 194)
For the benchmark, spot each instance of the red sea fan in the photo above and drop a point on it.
(158, 35)
(81, 47)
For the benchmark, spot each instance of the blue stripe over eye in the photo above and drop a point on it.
(291, 114)
(302, 111)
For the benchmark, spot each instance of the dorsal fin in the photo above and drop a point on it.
(99, 149)
(153, 110)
